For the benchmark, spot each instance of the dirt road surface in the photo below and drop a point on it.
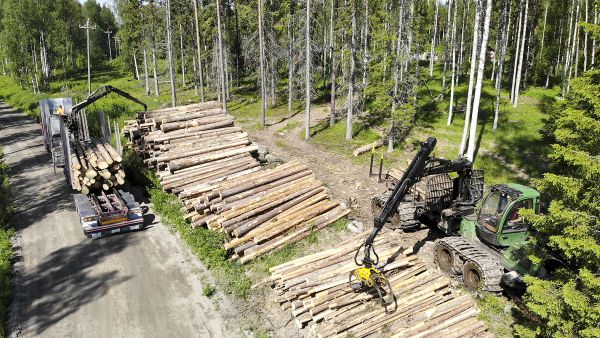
(139, 284)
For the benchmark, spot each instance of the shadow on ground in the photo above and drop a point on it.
(63, 282)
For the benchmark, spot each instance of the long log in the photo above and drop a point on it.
(206, 121)
(371, 146)
(188, 162)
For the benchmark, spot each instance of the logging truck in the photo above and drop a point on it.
(92, 167)
(485, 243)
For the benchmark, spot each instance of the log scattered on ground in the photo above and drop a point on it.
(367, 147)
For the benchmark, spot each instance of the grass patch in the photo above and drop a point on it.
(496, 312)
(6, 250)
(289, 126)
(208, 290)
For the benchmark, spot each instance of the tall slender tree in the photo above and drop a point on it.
(433, 37)
(521, 53)
(307, 74)
(263, 77)
(474, 55)
(477, 96)
(350, 104)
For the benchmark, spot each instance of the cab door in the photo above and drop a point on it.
(514, 228)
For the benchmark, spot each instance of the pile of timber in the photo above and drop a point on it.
(203, 158)
(315, 289)
(95, 165)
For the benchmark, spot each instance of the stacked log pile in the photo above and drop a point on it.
(315, 289)
(203, 158)
(95, 165)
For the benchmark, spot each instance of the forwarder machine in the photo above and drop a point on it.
(484, 245)
(101, 213)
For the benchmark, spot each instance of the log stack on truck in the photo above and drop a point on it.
(92, 167)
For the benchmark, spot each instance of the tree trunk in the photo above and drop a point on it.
(453, 38)
(465, 135)
(520, 67)
(585, 40)
(263, 78)
(290, 28)
(333, 63)
(146, 77)
(351, 76)
(365, 58)
(135, 64)
(435, 26)
(397, 58)
(221, 57)
(182, 55)
(446, 48)
(574, 47)
(568, 52)
(544, 32)
(307, 75)
(462, 38)
(504, 45)
(155, 72)
(594, 39)
(199, 50)
(480, 71)
(170, 55)
(516, 55)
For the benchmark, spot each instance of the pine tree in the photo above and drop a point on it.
(568, 304)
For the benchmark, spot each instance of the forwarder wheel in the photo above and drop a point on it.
(472, 276)
(444, 257)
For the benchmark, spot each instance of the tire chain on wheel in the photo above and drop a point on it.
(465, 251)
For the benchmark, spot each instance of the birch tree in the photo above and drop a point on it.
(585, 40)
(446, 48)
(452, 82)
(505, 28)
(477, 97)
(521, 53)
(474, 49)
(433, 37)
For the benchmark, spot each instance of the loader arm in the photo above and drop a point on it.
(72, 122)
(412, 175)
(421, 166)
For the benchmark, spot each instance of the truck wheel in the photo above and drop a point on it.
(444, 257)
(472, 276)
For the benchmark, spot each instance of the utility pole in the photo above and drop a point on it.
(108, 39)
(87, 28)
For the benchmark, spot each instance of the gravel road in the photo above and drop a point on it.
(139, 284)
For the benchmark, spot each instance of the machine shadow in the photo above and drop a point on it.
(63, 282)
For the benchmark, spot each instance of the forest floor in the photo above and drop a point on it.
(516, 152)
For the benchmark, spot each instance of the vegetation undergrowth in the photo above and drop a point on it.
(6, 250)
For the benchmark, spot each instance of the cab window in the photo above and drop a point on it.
(492, 209)
(515, 222)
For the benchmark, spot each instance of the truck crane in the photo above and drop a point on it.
(485, 245)
(101, 213)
